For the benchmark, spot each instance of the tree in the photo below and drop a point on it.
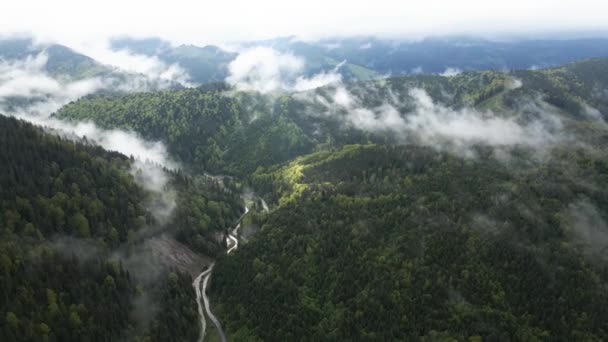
(79, 224)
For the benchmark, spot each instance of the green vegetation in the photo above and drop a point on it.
(398, 243)
(63, 61)
(216, 130)
(374, 236)
(203, 128)
(66, 210)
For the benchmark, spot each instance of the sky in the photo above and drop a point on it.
(200, 22)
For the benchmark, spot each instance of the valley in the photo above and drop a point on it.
(456, 206)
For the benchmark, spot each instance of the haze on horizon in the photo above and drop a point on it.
(79, 23)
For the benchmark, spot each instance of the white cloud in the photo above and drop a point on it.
(588, 227)
(126, 142)
(514, 83)
(433, 122)
(343, 98)
(449, 72)
(316, 81)
(28, 79)
(150, 157)
(151, 66)
(190, 21)
(436, 125)
(592, 112)
(155, 179)
(266, 70)
(24, 78)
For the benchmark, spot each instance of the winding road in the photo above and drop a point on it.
(210, 314)
(231, 239)
(197, 289)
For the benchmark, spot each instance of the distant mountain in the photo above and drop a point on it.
(62, 61)
(368, 57)
(203, 64)
(364, 58)
(34, 74)
(435, 55)
(210, 63)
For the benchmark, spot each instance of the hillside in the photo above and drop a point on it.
(73, 217)
(205, 64)
(62, 61)
(438, 54)
(372, 242)
(209, 127)
(420, 207)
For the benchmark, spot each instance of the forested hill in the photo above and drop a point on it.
(411, 208)
(374, 242)
(217, 130)
(421, 241)
(70, 213)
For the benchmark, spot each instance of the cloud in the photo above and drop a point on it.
(593, 112)
(84, 249)
(164, 75)
(43, 94)
(148, 169)
(417, 71)
(27, 78)
(126, 142)
(24, 78)
(468, 126)
(449, 72)
(316, 81)
(153, 178)
(28, 92)
(514, 83)
(266, 70)
(588, 227)
(413, 117)
(199, 22)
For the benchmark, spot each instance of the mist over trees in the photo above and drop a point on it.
(65, 208)
(419, 207)
(455, 205)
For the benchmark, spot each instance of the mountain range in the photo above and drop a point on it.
(443, 189)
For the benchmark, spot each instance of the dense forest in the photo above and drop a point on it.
(214, 129)
(70, 213)
(375, 242)
(380, 228)
(202, 127)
